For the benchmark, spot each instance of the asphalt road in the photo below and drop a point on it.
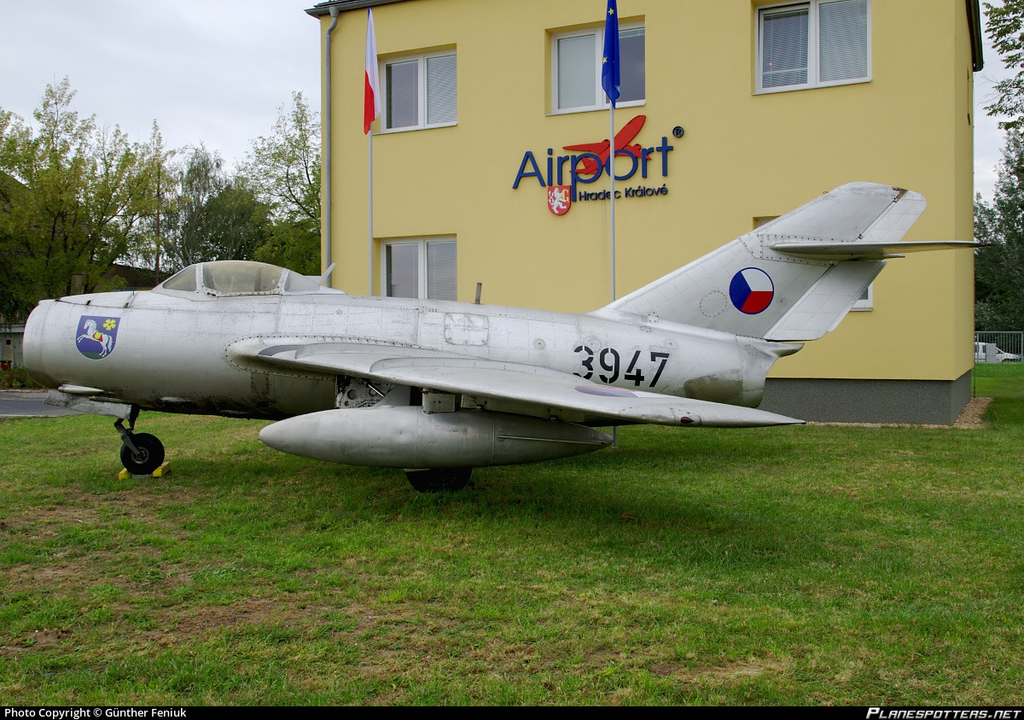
(28, 403)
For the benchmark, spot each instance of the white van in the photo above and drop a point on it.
(989, 353)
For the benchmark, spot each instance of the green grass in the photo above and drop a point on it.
(799, 565)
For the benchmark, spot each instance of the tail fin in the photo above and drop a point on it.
(796, 277)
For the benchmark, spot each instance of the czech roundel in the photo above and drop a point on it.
(751, 291)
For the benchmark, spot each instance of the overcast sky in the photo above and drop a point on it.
(215, 71)
(211, 71)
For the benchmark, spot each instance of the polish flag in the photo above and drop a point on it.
(371, 91)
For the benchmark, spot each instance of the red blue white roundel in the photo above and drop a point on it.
(751, 290)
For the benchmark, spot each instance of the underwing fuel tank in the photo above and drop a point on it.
(407, 437)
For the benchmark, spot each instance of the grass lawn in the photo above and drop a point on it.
(796, 565)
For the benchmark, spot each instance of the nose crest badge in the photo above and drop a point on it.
(96, 336)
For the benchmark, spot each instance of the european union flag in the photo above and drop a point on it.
(610, 80)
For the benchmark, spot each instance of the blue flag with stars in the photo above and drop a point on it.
(610, 80)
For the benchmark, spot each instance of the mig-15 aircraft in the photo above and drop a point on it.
(437, 388)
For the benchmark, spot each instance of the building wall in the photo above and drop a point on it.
(11, 346)
(743, 156)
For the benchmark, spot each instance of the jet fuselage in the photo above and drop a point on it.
(173, 351)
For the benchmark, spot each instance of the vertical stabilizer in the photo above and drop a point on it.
(794, 278)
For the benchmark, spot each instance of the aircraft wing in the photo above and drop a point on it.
(502, 386)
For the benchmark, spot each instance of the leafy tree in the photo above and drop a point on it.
(146, 250)
(999, 270)
(294, 245)
(283, 170)
(210, 215)
(1006, 31)
(71, 199)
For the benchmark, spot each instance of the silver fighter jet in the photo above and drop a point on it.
(437, 388)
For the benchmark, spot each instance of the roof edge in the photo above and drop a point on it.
(324, 8)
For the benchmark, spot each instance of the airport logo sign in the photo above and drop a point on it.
(587, 163)
(751, 290)
(97, 335)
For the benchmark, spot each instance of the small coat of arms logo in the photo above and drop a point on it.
(559, 199)
(96, 336)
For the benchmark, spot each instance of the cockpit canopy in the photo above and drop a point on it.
(239, 277)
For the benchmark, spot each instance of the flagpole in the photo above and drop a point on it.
(611, 182)
(610, 80)
(371, 111)
(369, 246)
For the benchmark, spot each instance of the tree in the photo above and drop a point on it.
(1006, 31)
(146, 250)
(294, 245)
(283, 171)
(999, 270)
(71, 199)
(210, 215)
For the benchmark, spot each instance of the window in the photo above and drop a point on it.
(576, 71)
(866, 301)
(420, 269)
(420, 91)
(182, 281)
(813, 44)
(239, 277)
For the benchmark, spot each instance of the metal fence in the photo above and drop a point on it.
(1009, 342)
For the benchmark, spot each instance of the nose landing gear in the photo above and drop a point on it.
(141, 453)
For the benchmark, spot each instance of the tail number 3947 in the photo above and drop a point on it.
(610, 365)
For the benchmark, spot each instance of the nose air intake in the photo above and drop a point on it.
(34, 341)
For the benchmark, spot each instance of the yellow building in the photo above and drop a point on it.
(740, 110)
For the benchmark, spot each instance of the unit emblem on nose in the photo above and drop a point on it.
(97, 335)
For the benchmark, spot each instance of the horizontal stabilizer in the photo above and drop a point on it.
(864, 250)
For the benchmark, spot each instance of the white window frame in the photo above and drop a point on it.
(421, 243)
(813, 48)
(601, 101)
(866, 302)
(421, 108)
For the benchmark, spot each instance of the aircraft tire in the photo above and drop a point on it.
(149, 457)
(439, 479)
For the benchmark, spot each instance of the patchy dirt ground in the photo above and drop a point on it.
(972, 417)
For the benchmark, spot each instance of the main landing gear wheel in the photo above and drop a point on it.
(147, 456)
(438, 479)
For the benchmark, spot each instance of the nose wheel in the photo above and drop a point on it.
(141, 453)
